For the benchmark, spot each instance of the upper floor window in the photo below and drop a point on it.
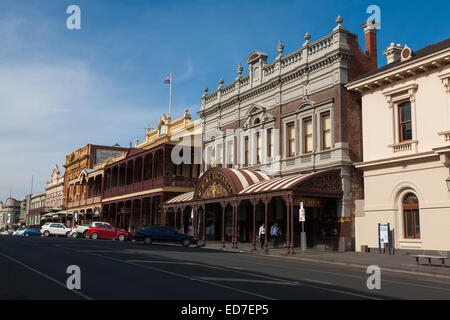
(325, 125)
(258, 147)
(230, 154)
(405, 122)
(290, 128)
(219, 156)
(307, 135)
(269, 142)
(246, 151)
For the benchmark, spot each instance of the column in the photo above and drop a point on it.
(126, 173)
(140, 214)
(142, 169)
(182, 220)
(150, 223)
(175, 211)
(254, 202)
(115, 217)
(130, 224)
(233, 227)
(236, 222)
(224, 209)
(288, 223)
(266, 250)
(204, 225)
(291, 205)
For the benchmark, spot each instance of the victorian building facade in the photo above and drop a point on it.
(9, 214)
(406, 137)
(54, 191)
(84, 204)
(36, 209)
(135, 187)
(286, 134)
(84, 158)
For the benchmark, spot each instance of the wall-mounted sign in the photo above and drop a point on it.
(102, 154)
(309, 202)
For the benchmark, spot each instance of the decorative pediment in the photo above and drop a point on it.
(55, 172)
(257, 56)
(257, 115)
(214, 184)
(306, 104)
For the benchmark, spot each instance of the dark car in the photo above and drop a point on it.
(163, 234)
(31, 232)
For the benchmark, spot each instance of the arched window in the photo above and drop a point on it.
(411, 216)
(257, 121)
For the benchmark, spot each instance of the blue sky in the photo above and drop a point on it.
(61, 89)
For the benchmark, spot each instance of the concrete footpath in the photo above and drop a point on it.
(398, 263)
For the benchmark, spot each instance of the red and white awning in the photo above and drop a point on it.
(245, 178)
(277, 184)
(188, 196)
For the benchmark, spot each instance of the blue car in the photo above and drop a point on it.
(31, 232)
(163, 234)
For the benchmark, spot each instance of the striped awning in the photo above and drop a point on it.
(188, 196)
(277, 184)
(246, 178)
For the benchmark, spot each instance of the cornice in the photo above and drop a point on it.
(306, 68)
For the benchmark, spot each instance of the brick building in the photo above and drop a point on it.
(293, 121)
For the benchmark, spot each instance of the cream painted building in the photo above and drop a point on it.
(54, 191)
(406, 149)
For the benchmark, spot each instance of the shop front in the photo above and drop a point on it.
(230, 205)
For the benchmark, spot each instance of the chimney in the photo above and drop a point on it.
(370, 38)
(393, 52)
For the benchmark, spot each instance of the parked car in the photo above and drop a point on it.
(163, 234)
(107, 231)
(54, 229)
(82, 229)
(31, 232)
(19, 232)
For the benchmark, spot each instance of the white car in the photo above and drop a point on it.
(82, 229)
(19, 232)
(54, 229)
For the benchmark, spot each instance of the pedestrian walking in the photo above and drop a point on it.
(262, 235)
(275, 232)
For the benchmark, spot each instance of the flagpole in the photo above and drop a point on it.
(170, 98)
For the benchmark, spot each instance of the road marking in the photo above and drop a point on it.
(46, 276)
(164, 262)
(178, 275)
(317, 281)
(249, 280)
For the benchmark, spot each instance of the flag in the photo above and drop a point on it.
(167, 80)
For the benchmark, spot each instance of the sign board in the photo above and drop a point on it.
(301, 213)
(384, 236)
(102, 154)
(384, 233)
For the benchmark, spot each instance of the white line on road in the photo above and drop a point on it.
(248, 280)
(177, 274)
(45, 276)
(317, 281)
(167, 262)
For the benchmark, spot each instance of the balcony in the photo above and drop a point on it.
(83, 202)
(404, 146)
(150, 184)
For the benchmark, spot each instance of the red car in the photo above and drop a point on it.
(107, 232)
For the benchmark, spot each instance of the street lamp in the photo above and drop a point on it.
(448, 183)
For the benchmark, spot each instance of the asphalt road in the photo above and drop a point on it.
(36, 268)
